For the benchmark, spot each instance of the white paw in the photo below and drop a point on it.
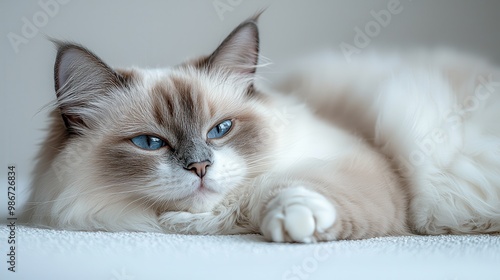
(296, 214)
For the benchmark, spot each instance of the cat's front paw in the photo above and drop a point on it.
(297, 215)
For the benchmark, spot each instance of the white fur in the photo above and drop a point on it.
(435, 114)
(227, 171)
(72, 200)
(296, 214)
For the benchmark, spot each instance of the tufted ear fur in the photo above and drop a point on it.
(239, 52)
(81, 80)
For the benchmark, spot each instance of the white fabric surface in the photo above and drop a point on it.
(56, 254)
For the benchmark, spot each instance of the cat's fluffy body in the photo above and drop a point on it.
(281, 170)
(437, 118)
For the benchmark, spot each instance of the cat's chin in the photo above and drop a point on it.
(202, 197)
(203, 188)
(203, 200)
(202, 191)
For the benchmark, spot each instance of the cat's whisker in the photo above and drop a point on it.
(91, 191)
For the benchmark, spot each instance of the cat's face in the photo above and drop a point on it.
(177, 139)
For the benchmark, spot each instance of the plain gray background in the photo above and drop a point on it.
(162, 33)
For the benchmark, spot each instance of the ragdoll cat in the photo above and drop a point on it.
(200, 149)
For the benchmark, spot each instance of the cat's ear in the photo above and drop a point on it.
(239, 52)
(81, 80)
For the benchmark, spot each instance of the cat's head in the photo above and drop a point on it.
(175, 139)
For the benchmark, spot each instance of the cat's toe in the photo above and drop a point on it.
(299, 223)
(296, 215)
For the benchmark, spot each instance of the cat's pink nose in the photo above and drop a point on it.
(200, 168)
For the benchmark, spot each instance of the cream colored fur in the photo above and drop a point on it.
(377, 147)
(434, 114)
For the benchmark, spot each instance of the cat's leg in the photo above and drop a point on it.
(299, 213)
(352, 200)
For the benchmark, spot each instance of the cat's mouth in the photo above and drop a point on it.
(203, 188)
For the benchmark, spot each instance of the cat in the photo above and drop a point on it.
(201, 148)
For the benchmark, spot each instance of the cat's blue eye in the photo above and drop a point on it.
(148, 142)
(220, 130)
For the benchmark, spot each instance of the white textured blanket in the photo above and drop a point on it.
(55, 254)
